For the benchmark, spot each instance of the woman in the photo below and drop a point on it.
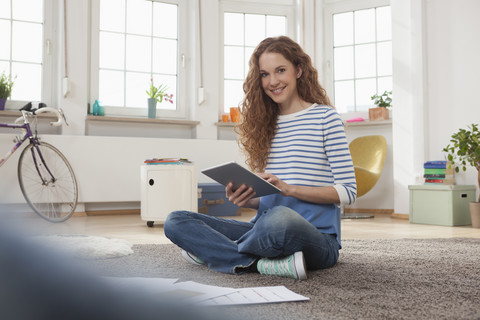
(295, 140)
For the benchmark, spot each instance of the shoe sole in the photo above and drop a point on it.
(299, 261)
(190, 258)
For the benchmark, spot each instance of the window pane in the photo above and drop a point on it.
(111, 88)
(343, 63)
(136, 85)
(5, 9)
(138, 53)
(384, 58)
(365, 61)
(28, 85)
(5, 39)
(384, 24)
(344, 96)
(365, 89)
(233, 68)
(233, 94)
(165, 20)
(343, 29)
(27, 10)
(254, 29)
(365, 26)
(248, 55)
(384, 84)
(233, 29)
(112, 50)
(112, 15)
(5, 66)
(276, 26)
(27, 42)
(165, 56)
(171, 83)
(139, 17)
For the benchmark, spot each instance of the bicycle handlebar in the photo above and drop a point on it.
(58, 112)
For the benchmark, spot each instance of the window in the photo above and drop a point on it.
(243, 30)
(362, 57)
(25, 26)
(137, 41)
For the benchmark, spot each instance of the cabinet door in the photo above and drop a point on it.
(169, 190)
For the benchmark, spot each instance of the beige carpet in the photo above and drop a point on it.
(374, 279)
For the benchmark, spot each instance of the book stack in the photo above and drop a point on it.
(156, 161)
(438, 172)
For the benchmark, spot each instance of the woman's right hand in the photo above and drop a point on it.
(242, 196)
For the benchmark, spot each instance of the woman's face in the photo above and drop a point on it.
(279, 78)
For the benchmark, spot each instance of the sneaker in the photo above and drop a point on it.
(191, 258)
(292, 266)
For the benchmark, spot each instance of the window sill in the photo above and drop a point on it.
(16, 114)
(143, 120)
(368, 123)
(225, 124)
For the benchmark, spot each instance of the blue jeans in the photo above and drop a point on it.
(231, 246)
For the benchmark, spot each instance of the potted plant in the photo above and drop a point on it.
(464, 148)
(6, 84)
(383, 103)
(156, 94)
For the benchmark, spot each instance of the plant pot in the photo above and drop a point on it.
(2, 104)
(152, 108)
(475, 214)
(379, 113)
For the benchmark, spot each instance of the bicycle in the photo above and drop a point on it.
(46, 179)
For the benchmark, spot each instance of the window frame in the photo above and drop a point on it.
(279, 7)
(50, 52)
(182, 87)
(336, 7)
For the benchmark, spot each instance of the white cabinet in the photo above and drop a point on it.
(167, 188)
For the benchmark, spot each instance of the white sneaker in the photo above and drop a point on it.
(292, 266)
(191, 258)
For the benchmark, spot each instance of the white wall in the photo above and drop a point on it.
(108, 168)
(436, 78)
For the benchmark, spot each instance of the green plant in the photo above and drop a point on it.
(384, 100)
(159, 93)
(6, 84)
(464, 148)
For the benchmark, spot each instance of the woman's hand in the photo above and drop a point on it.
(242, 197)
(273, 179)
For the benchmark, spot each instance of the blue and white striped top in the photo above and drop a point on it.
(310, 149)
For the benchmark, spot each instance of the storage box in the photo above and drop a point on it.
(166, 188)
(445, 205)
(212, 200)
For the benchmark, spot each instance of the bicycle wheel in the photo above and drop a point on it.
(48, 185)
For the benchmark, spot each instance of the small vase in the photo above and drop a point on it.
(152, 108)
(2, 104)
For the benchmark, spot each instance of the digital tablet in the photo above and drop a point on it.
(233, 172)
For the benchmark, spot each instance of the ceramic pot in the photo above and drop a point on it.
(475, 214)
(2, 104)
(152, 108)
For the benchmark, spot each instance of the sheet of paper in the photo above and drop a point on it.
(257, 295)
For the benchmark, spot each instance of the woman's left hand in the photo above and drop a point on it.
(277, 182)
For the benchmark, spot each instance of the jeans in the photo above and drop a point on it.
(231, 246)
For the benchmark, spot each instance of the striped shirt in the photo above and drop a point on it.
(310, 149)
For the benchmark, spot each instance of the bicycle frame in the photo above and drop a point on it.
(28, 135)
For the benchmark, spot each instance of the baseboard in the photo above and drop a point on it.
(400, 216)
(113, 212)
(369, 211)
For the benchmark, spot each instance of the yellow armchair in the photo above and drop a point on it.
(368, 156)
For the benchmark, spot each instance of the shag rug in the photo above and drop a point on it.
(374, 279)
(86, 246)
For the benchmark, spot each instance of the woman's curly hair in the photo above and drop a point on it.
(259, 112)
